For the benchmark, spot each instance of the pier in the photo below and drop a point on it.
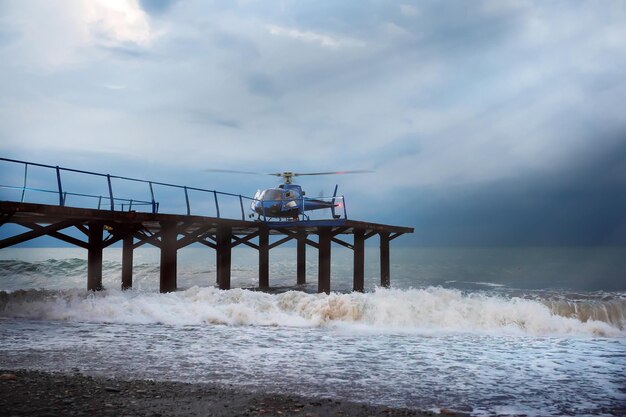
(99, 228)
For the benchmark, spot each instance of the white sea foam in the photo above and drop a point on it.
(429, 310)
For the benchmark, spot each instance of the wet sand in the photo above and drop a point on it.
(34, 393)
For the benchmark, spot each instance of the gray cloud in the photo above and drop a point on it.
(126, 51)
(262, 85)
(466, 110)
(157, 6)
(579, 204)
(199, 116)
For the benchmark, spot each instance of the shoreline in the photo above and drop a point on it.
(30, 393)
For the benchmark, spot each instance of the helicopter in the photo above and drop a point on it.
(288, 200)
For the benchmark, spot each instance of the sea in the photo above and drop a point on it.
(535, 331)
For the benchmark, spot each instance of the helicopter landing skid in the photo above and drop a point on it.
(294, 219)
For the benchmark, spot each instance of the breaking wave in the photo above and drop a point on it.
(429, 310)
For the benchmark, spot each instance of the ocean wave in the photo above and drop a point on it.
(428, 310)
(66, 273)
(45, 268)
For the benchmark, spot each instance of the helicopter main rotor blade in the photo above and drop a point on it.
(360, 171)
(230, 171)
(283, 174)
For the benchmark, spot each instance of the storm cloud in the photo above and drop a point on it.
(486, 122)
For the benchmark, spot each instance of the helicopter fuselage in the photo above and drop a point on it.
(286, 201)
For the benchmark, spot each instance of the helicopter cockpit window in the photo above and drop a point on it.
(272, 195)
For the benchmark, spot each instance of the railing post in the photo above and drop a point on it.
(243, 216)
(154, 206)
(111, 193)
(61, 200)
(217, 206)
(24, 187)
(187, 201)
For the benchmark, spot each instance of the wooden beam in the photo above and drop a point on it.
(358, 282)
(339, 230)
(94, 257)
(56, 235)
(284, 231)
(194, 236)
(119, 233)
(264, 258)
(281, 241)
(312, 243)
(209, 244)
(169, 247)
(245, 240)
(6, 217)
(301, 262)
(43, 230)
(342, 243)
(144, 238)
(395, 235)
(127, 262)
(384, 260)
(83, 229)
(224, 246)
(370, 234)
(323, 279)
(68, 239)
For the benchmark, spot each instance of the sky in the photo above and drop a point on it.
(485, 122)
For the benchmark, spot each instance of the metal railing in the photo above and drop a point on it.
(116, 203)
(128, 204)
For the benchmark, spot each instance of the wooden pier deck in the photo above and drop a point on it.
(170, 232)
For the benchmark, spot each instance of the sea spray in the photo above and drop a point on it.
(428, 310)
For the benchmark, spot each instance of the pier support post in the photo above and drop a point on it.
(385, 279)
(301, 268)
(359, 260)
(224, 246)
(264, 258)
(127, 262)
(323, 280)
(94, 257)
(169, 247)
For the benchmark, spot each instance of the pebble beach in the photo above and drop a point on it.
(35, 393)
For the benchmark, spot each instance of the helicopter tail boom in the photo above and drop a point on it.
(314, 204)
